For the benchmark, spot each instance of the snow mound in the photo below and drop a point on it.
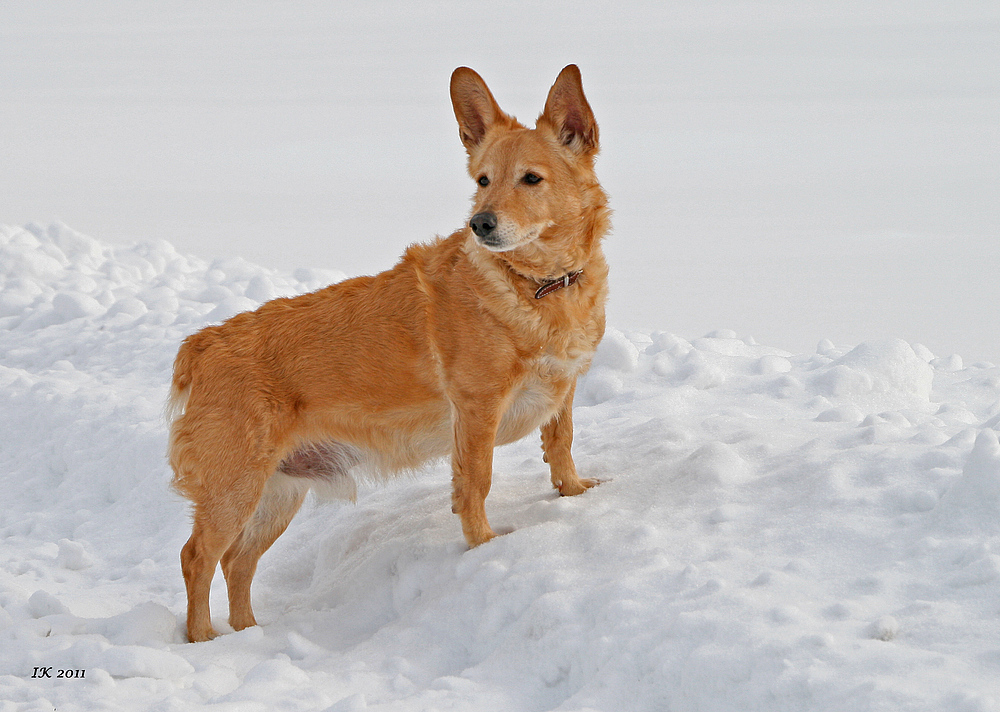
(974, 497)
(774, 530)
(878, 375)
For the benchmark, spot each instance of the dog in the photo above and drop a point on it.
(471, 341)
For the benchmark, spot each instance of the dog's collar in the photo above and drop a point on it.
(556, 284)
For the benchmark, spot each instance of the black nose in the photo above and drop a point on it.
(483, 223)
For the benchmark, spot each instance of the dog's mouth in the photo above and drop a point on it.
(505, 240)
(495, 243)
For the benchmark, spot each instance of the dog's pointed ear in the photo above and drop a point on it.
(569, 115)
(475, 108)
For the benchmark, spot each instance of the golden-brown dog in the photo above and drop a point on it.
(471, 341)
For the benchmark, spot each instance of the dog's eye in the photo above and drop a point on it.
(532, 178)
(483, 181)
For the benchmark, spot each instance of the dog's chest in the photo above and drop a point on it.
(569, 366)
(540, 394)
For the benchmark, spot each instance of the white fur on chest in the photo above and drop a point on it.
(548, 365)
(532, 405)
(540, 395)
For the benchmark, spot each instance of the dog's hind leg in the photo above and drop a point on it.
(216, 525)
(281, 499)
(557, 442)
(225, 488)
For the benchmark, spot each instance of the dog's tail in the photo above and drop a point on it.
(188, 356)
(180, 391)
(180, 385)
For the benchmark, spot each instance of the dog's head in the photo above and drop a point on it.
(537, 194)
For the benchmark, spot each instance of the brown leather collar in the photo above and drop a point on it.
(557, 284)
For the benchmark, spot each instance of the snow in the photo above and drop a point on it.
(774, 530)
(805, 520)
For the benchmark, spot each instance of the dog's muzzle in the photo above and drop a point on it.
(484, 225)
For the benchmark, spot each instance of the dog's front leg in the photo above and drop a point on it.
(557, 441)
(475, 428)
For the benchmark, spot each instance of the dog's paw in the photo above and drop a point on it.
(479, 537)
(202, 636)
(499, 531)
(569, 489)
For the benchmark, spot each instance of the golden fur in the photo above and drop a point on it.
(447, 353)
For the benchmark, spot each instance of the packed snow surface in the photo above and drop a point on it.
(776, 531)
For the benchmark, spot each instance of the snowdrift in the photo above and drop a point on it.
(779, 531)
